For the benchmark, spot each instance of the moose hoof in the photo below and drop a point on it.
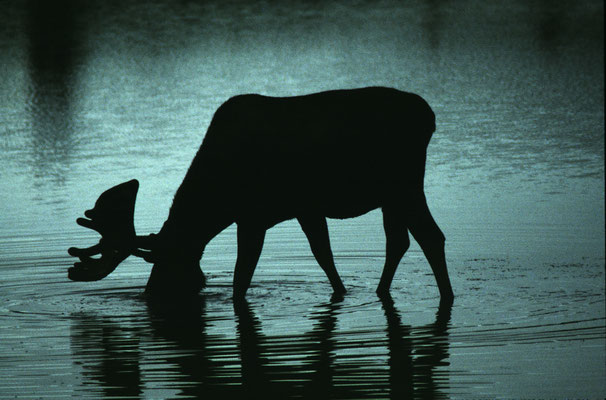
(447, 299)
(339, 291)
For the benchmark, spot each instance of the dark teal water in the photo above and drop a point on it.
(93, 94)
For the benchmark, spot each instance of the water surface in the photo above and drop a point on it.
(97, 93)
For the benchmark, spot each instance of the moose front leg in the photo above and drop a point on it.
(250, 245)
(316, 230)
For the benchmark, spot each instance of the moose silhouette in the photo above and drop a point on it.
(264, 160)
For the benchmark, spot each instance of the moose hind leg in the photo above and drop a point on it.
(316, 230)
(250, 244)
(431, 239)
(397, 242)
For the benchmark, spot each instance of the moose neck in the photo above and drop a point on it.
(196, 216)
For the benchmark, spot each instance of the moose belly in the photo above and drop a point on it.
(274, 206)
(343, 201)
(350, 210)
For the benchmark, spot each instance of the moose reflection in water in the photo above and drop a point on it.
(264, 160)
(394, 360)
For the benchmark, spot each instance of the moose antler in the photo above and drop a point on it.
(113, 218)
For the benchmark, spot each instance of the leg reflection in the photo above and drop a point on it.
(299, 366)
(322, 355)
(255, 381)
(414, 353)
(401, 374)
(432, 352)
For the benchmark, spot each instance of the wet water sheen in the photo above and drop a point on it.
(97, 93)
(510, 327)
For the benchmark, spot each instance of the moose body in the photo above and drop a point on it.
(335, 154)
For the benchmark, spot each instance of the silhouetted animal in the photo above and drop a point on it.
(264, 160)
